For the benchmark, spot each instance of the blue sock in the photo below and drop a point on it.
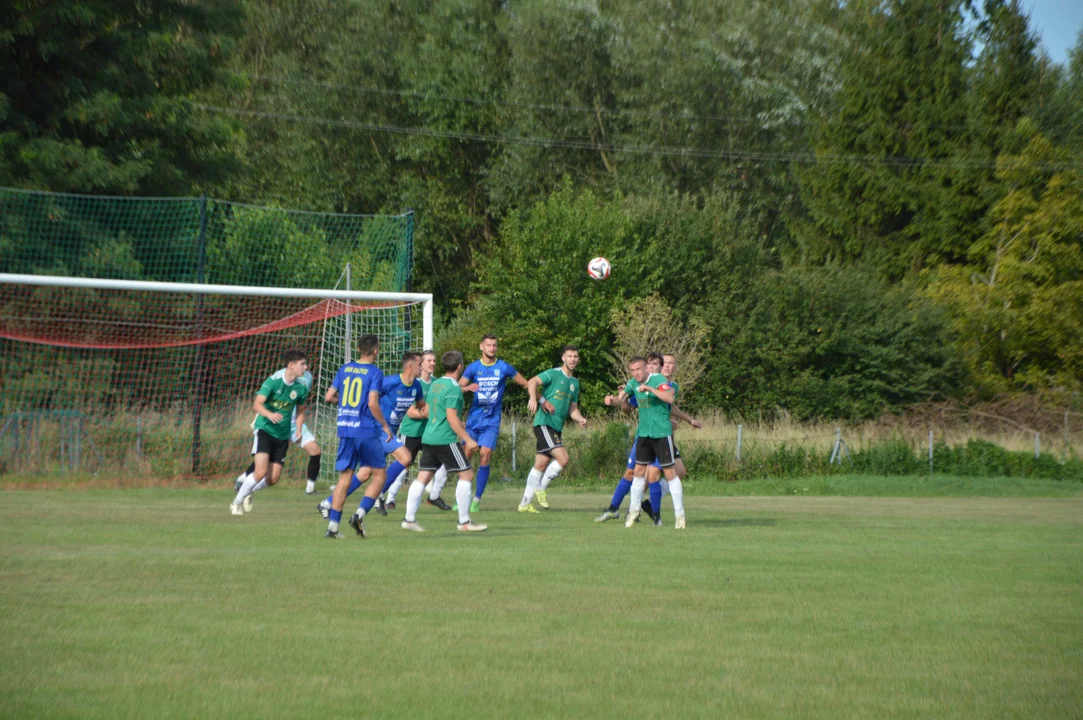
(393, 471)
(623, 488)
(336, 516)
(656, 497)
(483, 480)
(354, 484)
(367, 503)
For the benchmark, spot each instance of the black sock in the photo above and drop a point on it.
(314, 467)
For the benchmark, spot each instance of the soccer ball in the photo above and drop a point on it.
(598, 268)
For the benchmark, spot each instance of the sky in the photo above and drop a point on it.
(1058, 22)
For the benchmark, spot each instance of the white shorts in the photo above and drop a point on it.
(307, 436)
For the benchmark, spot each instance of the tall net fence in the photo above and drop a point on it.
(133, 383)
(139, 383)
(200, 240)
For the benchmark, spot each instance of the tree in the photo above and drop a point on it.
(1018, 304)
(648, 325)
(97, 97)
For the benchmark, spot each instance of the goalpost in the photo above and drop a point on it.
(135, 378)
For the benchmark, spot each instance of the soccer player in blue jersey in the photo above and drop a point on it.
(362, 431)
(398, 394)
(487, 378)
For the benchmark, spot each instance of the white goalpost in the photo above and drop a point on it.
(157, 378)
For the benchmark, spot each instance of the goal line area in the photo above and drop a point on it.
(135, 378)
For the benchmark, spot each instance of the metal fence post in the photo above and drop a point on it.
(930, 452)
(739, 429)
(514, 445)
(1037, 445)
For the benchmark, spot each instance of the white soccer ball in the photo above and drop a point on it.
(599, 268)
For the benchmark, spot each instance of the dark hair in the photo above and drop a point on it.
(428, 352)
(488, 336)
(451, 360)
(655, 356)
(366, 344)
(636, 359)
(569, 347)
(293, 355)
(410, 356)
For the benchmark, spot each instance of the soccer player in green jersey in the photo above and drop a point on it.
(654, 399)
(560, 400)
(275, 402)
(440, 445)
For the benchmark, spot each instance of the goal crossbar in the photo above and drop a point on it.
(237, 290)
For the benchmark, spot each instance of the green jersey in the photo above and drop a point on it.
(444, 393)
(411, 427)
(653, 413)
(282, 398)
(561, 391)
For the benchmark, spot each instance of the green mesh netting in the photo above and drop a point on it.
(200, 240)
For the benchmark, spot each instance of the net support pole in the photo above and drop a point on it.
(197, 373)
(349, 320)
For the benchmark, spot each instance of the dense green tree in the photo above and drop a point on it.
(97, 96)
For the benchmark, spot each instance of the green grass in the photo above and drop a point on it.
(156, 602)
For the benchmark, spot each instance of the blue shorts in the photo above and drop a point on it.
(484, 435)
(359, 452)
(391, 445)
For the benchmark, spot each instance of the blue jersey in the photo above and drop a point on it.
(354, 381)
(396, 399)
(488, 400)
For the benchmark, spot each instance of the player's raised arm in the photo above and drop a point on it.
(684, 417)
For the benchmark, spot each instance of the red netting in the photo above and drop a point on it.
(135, 382)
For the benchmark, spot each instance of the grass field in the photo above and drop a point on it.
(158, 603)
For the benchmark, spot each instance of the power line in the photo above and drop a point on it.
(753, 156)
(728, 120)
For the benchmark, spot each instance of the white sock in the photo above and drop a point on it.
(332, 526)
(550, 472)
(532, 481)
(439, 480)
(393, 491)
(413, 500)
(638, 485)
(246, 489)
(665, 487)
(677, 490)
(429, 490)
(462, 496)
(260, 485)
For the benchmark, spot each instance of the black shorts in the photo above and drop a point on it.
(548, 439)
(275, 448)
(451, 456)
(650, 449)
(412, 445)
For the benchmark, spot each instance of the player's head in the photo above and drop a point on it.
(570, 356)
(638, 367)
(452, 361)
(296, 361)
(411, 363)
(669, 365)
(488, 347)
(428, 362)
(368, 346)
(654, 362)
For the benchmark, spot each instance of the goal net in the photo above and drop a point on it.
(135, 380)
